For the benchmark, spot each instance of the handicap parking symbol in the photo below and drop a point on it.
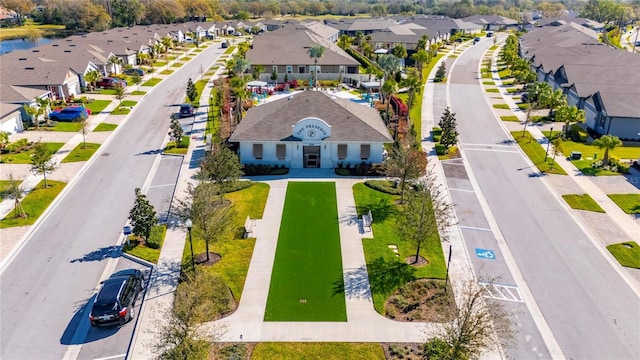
(485, 254)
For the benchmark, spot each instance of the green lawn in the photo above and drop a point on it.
(34, 204)
(81, 153)
(492, 90)
(504, 73)
(138, 92)
(152, 82)
(582, 202)
(159, 64)
(627, 253)
(177, 64)
(236, 253)
(4, 186)
(66, 126)
(121, 110)
(96, 106)
(536, 153)
(25, 156)
(140, 250)
(166, 72)
(489, 83)
(314, 350)
(306, 282)
(387, 271)
(501, 106)
(128, 103)
(107, 92)
(510, 118)
(105, 127)
(513, 90)
(622, 152)
(229, 49)
(629, 203)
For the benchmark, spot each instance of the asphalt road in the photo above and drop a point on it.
(591, 311)
(49, 283)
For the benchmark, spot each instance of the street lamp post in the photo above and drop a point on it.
(546, 153)
(189, 224)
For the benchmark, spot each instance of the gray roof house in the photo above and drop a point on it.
(492, 22)
(311, 129)
(563, 20)
(444, 25)
(364, 26)
(286, 51)
(595, 77)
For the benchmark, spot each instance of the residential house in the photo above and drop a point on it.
(444, 26)
(492, 22)
(353, 26)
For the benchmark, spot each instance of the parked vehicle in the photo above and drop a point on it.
(476, 40)
(489, 34)
(115, 302)
(71, 113)
(187, 110)
(223, 45)
(133, 71)
(110, 83)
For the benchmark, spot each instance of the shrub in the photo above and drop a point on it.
(436, 138)
(437, 131)
(156, 236)
(184, 143)
(440, 149)
(342, 172)
(385, 186)
(235, 351)
(577, 134)
(17, 146)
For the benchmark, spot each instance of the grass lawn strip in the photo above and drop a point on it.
(627, 253)
(325, 351)
(105, 127)
(236, 253)
(96, 106)
(4, 186)
(81, 152)
(308, 263)
(629, 203)
(25, 156)
(152, 82)
(536, 153)
(34, 204)
(582, 202)
(138, 249)
(387, 272)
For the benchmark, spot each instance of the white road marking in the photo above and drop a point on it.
(474, 228)
(489, 145)
(463, 190)
(112, 357)
(163, 185)
(502, 292)
(495, 150)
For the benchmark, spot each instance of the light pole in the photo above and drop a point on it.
(546, 153)
(189, 224)
(446, 280)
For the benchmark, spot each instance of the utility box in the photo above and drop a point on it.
(575, 155)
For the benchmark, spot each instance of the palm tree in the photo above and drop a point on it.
(421, 57)
(91, 77)
(569, 114)
(344, 41)
(389, 88)
(241, 65)
(607, 142)
(316, 52)
(389, 64)
(167, 43)
(115, 61)
(43, 108)
(414, 86)
(400, 52)
(553, 100)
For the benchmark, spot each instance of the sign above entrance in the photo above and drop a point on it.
(311, 128)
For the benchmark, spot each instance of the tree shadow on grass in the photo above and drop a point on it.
(383, 277)
(380, 210)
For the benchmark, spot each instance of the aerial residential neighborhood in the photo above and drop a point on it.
(319, 180)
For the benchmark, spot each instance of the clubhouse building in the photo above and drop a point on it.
(311, 129)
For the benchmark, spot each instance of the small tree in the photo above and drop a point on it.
(42, 161)
(91, 77)
(142, 215)
(441, 72)
(119, 93)
(569, 114)
(221, 165)
(447, 123)
(425, 212)
(14, 191)
(476, 325)
(84, 129)
(137, 79)
(176, 131)
(406, 162)
(274, 75)
(316, 52)
(4, 140)
(556, 147)
(192, 92)
(607, 142)
(212, 216)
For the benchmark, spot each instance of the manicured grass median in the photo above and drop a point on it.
(138, 249)
(629, 203)
(4, 186)
(501, 106)
(105, 127)
(96, 106)
(81, 152)
(582, 202)
(152, 82)
(387, 272)
(34, 204)
(510, 118)
(306, 282)
(536, 153)
(627, 253)
(492, 90)
(325, 351)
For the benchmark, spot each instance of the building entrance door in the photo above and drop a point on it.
(311, 156)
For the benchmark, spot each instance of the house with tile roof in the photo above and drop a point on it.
(311, 129)
(595, 77)
(444, 26)
(285, 51)
(492, 22)
(353, 26)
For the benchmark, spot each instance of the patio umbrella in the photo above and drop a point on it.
(257, 83)
(381, 51)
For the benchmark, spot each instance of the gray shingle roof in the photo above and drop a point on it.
(349, 121)
(289, 46)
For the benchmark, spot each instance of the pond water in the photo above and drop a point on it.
(21, 44)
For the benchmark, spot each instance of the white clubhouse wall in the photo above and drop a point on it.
(294, 153)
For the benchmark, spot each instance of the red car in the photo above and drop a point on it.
(110, 83)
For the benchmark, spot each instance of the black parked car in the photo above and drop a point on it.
(116, 299)
(187, 110)
(134, 71)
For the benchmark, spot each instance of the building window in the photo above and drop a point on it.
(289, 69)
(281, 151)
(341, 69)
(365, 150)
(602, 121)
(342, 151)
(257, 151)
(300, 69)
(275, 68)
(313, 68)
